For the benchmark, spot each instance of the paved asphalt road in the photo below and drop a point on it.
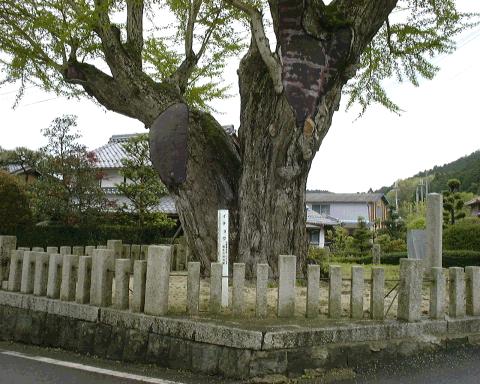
(21, 364)
(459, 366)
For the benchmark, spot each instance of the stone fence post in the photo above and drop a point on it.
(287, 269)
(356, 294)
(102, 277)
(7, 245)
(158, 277)
(261, 298)
(456, 290)
(410, 290)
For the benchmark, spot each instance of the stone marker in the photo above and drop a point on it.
(377, 294)
(38, 249)
(335, 292)
(376, 254)
(261, 308)
(41, 274)
(416, 243)
(28, 272)
(472, 291)
(23, 249)
(82, 291)
(158, 277)
(123, 268)
(238, 302)
(135, 252)
(78, 250)
(313, 291)
(7, 245)
(65, 250)
(102, 278)
(193, 288)
(222, 250)
(54, 281)
(51, 250)
(101, 247)
(69, 277)
(117, 248)
(287, 269)
(126, 251)
(356, 294)
(437, 294)
(456, 308)
(89, 250)
(15, 273)
(215, 287)
(434, 224)
(410, 290)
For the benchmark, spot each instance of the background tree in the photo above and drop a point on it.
(362, 237)
(68, 189)
(143, 186)
(289, 92)
(26, 159)
(14, 204)
(452, 202)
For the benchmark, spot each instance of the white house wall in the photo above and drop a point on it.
(347, 211)
(111, 177)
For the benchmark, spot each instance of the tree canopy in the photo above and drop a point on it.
(183, 45)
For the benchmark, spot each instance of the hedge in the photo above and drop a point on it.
(451, 258)
(462, 236)
(39, 236)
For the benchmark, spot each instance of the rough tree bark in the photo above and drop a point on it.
(288, 98)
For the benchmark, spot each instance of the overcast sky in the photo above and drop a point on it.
(440, 123)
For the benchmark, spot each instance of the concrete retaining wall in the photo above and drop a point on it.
(221, 349)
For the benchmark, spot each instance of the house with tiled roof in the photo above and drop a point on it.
(474, 205)
(348, 207)
(317, 225)
(109, 161)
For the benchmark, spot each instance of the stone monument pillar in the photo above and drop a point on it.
(434, 221)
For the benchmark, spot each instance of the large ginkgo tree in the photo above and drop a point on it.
(161, 61)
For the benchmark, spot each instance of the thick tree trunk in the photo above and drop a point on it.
(274, 175)
(277, 154)
(208, 182)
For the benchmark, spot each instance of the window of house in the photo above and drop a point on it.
(323, 209)
(314, 237)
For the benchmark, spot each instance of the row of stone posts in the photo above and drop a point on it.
(89, 279)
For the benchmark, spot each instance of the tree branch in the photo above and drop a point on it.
(185, 69)
(192, 18)
(139, 98)
(258, 32)
(365, 17)
(135, 30)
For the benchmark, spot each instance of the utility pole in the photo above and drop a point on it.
(396, 196)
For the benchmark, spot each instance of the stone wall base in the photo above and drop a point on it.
(132, 341)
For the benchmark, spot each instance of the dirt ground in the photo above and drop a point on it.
(178, 295)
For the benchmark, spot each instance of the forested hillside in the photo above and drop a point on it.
(466, 169)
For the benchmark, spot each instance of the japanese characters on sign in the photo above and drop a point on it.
(222, 257)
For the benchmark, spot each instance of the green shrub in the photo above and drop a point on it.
(43, 236)
(14, 203)
(452, 258)
(462, 235)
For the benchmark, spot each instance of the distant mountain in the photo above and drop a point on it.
(466, 169)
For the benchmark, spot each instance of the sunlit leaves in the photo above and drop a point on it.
(404, 48)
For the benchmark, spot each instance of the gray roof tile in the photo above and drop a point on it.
(329, 197)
